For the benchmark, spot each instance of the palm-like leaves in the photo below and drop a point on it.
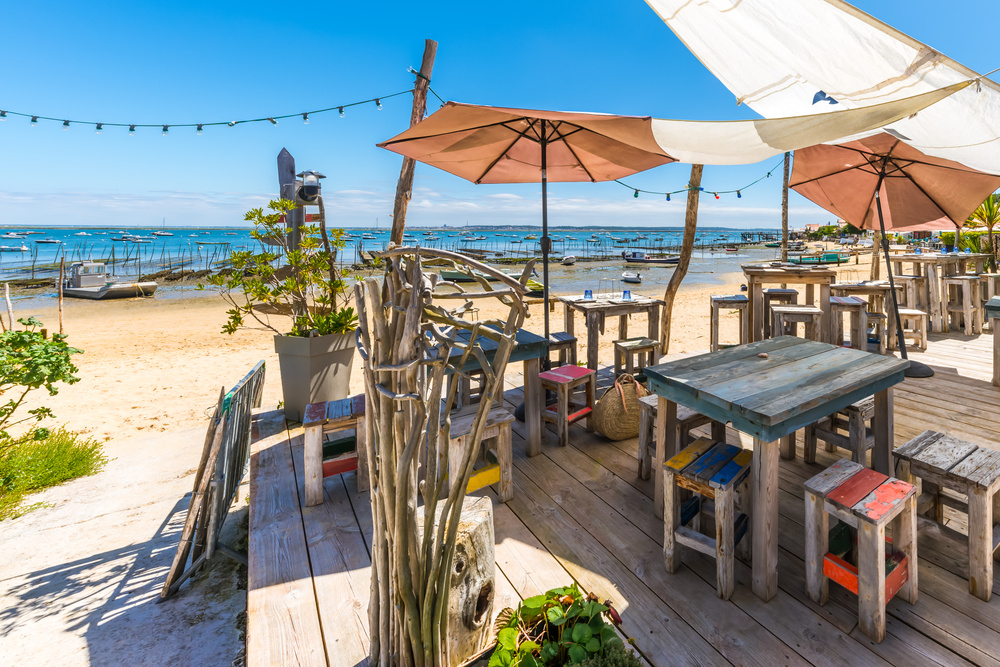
(987, 215)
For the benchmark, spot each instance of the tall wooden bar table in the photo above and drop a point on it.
(879, 289)
(810, 276)
(597, 310)
(769, 390)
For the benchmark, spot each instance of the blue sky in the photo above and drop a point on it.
(187, 62)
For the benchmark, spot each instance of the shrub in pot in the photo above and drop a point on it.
(300, 295)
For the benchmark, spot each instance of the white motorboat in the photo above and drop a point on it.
(11, 235)
(82, 234)
(628, 277)
(162, 233)
(11, 248)
(89, 280)
(568, 260)
(47, 241)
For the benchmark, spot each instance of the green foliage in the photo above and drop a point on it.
(828, 230)
(42, 459)
(560, 627)
(616, 655)
(309, 289)
(850, 230)
(969, 240)
(30, 361)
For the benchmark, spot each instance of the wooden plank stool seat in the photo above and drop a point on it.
(737, 302)
(939, 461)
(565, 344)
(713, 471)
(857, 309)
(779, 295)
(563, 381)
(328, 417)
(963, 307)
(687, 420)
(855, 420)
(877, 333)
(869, 502)
(914, 289)
(495, 450)
(992, 310)
(786, 319)
(915, 323)
(635, 354)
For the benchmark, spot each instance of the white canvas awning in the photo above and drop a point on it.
(801, 57)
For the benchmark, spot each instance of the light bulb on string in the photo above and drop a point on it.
(34, 121)
(341, 110)
(65, 125)
(636, 195)
(199, 129)
(232, 123)
(716, 194)
(166, 130)
(668, 196)
(739, 195)
(3, 116)
(305, 119)
(273, 122)
(378, 104)
(131, 130)
(99, 128)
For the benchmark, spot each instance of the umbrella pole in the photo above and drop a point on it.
(915, 369)
(545, 237)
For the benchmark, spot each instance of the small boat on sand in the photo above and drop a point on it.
(568, 260)
(639, 257)
(89, 280)
(628, 277)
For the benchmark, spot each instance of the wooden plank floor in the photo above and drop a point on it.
(581, 513)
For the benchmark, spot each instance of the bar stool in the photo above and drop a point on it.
(636, 354)
(857, 308)
(989, 287)
(786, 296)
(964, 304)
(855, 419)
(915, 324)
(914, 289)
(563, 381)
(877, 324)
(867, 501)
(565, 344)
(738, 302)
(789, 317)
(687, 420)
(496, 439)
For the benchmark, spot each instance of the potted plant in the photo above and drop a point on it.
(315, 343)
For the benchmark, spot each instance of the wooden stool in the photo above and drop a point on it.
(687, 420)
(713, 470)
(914, 289)
(565, 344)
(634, 352)
(858, 310)
(877, 322)
(738, 302)
(496, 439)
(854, 419)
(776, 295)
(940, 460)
(963, 307)
(989, 288)
(329, 417)
(563, 381)
(868, 501)
(790, 316)
(914, 326)
(992, 309)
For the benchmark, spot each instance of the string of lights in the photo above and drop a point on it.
(717, 193)
(165, 127)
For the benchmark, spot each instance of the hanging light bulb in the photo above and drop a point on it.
(34, 121)
(701, 189)
(100, 128)
(341, 110)
(232, 123)
(166, 130)
(305, 119)
(273, 122)
(668, 196)
(636, 195)
(131, 130)
(378, 104)
(65, 125)
(716, 194)
(739, 195)
(199, 129)
(3, 114)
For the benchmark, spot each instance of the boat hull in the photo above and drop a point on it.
(653, 260)
(115, 291)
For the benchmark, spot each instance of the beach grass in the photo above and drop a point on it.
(32, 464)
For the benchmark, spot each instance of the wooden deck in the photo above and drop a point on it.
(581, 513)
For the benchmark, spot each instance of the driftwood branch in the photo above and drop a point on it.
(687, 246)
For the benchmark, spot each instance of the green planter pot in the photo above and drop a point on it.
(314, 369)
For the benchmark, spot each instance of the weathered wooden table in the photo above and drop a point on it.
(879, 289)
(530, 349)
(992, 310)
(810, 276)
(934, 266)
(769, 390)
(597, 310)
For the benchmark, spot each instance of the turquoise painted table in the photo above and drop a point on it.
(769, 390)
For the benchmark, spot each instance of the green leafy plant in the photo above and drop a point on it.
(616, 655)
(560, 627)
(308, 288)
(30, 361)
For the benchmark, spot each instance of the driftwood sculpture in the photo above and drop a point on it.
(411, 348)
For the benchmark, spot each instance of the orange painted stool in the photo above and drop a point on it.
(564, 381)
(868, 501)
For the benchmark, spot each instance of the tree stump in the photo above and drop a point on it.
(472, 590)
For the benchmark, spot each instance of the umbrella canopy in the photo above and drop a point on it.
(915, 189)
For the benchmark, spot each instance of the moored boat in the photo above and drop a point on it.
(639, 257)
(628, 277)
(89, 280)
(568, 260)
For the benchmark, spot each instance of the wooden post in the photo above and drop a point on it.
(62, 277)
(687, 245)
(404, 187)
(784, 212)
(10, 306)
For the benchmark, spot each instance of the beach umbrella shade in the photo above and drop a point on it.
(882, 183)
(486, 144)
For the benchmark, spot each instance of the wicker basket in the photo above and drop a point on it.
(616, 415)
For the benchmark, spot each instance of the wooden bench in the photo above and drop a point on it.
(713, 471)
(635, 354)
(855, 419)
(565, 344)
(867, 501)
(687, 420)
(787, 318)
(329, 417)
(496, 439)
(737, 302)
(564, 380)
(942, 461)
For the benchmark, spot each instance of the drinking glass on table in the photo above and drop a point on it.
(627, 295)
(588, 294)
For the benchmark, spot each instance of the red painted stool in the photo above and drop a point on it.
(867, 501)
(564, 381)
